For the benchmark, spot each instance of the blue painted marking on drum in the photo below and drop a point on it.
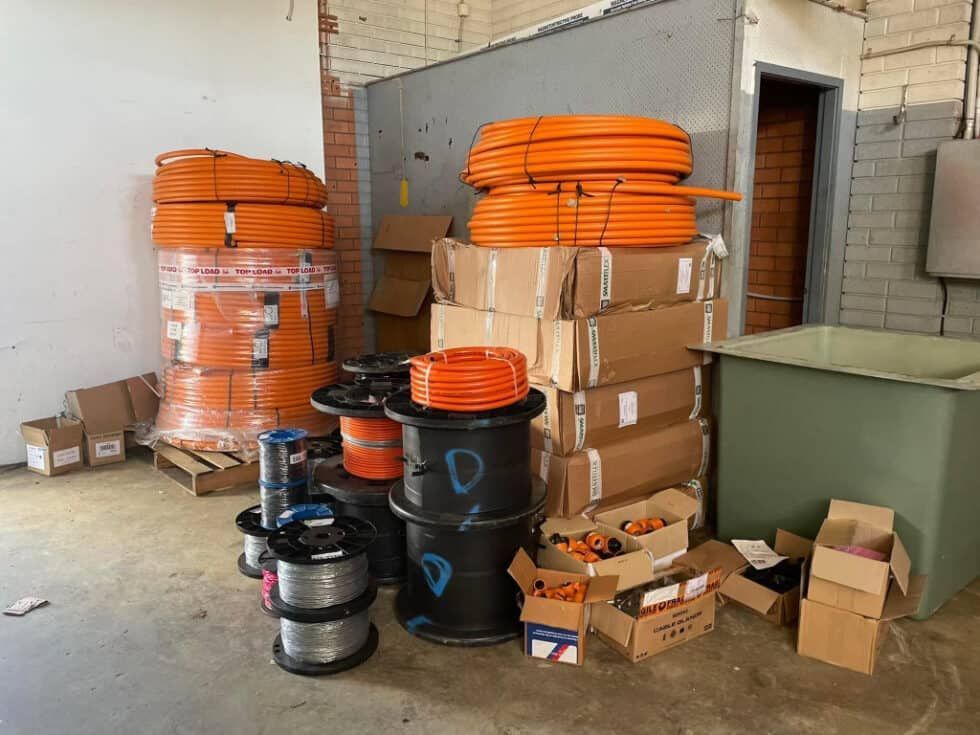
(469, 521)
(437, 572)
(415, 623)
(458, 487)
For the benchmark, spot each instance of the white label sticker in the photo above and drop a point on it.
(316, 522)
(593, 326)
(260, 348)
(663, 594)
(297, 457)
(331, 292)
(36, 456)
(695, 587)
(546, 427)
(542, 281)
(709, 320)
(229, 222)
(111, 448)
(627, 408)
(327, 555)
(757, 553)
(578, 400)
(66, 456)
(545, 466)
(685, 268)
(698, 390)
(270, 315)
(605, 278)
(183, 300)
(556, 354)
(166, 298)
(441, 327)
(174, 330)
(595, 475)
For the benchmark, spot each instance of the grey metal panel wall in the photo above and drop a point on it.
(672, 60)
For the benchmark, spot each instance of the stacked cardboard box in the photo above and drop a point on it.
(605, 332)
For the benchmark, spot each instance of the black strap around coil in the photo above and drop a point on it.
(469, 150)
(609, 209)
(215, 155)
(527, 150)
(283, 169)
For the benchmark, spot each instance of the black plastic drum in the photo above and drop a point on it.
(368, 500)
(457, 590)
(467, 464)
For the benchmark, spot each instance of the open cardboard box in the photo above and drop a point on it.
(54, 445)
(632, 568)
(109, 411)
(781, 609)
(401, 298)
(851, 582)
(666, 543)
(553, 629)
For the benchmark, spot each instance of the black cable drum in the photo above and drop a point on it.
(282, 456)
(367, 500)
(457, 589)
(466, 463)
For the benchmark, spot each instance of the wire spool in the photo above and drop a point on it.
(384, 372)
(367, 500)
(457, 590)
(282, 456)
(277, 498)
(249, 522)
(464, 463)
(323, 595)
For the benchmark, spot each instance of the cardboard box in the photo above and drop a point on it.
(674, 614)
(849, 640)
(108, 411)
(666, 543)
(781, 609)
(850, 582)
(636, 466)
(54, 445)
(592, 418)
(555, 630)
(401, 298)
(571, 282)
(631, 568)
(587, 353)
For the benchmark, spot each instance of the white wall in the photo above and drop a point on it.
(91, 92)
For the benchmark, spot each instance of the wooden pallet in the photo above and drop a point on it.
(201, 472)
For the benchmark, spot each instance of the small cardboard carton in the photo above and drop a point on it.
(108, 411)
(401, 298)
(781, 609)
(598, 416)
(849, 640)
(54, 445)
(555, 630)
(666, 543)
(572, 282)
(850, 581)
(592, 352)
(628, 469)
(632, 568)
(671, 614)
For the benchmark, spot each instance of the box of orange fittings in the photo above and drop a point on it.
(632, 565)
(555, 607)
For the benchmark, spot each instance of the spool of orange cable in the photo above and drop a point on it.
(372, 447)
(241, 226)
(584, 180)
(203, 175)
(469, 379)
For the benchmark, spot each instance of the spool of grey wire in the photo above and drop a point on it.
(323, 594)
(249, 522)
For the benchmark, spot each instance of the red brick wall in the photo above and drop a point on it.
(340, 168)
(781, 206)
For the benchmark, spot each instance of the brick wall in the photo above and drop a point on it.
(885, 284)
(781, 206)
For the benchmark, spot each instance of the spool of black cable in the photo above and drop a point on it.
(277, 498)
(282, 456)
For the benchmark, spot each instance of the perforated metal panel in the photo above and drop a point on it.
(671, 60)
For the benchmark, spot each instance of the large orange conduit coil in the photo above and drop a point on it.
(469, 379)
(248, 295)
(583, 180)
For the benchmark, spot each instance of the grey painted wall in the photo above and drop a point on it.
(672, 60)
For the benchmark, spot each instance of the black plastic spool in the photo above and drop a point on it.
(282, 456)
(476, 604)
(249, 522)
(379, 368)
(467, 463)
(368, 500)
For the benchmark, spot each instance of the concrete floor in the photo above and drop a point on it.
(151, 629)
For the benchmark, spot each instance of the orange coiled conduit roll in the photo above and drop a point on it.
(583, 180)
(467, 379)
(372, 448)
(244, 225)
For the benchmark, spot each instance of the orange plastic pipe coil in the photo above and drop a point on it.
(583, 180)
(372, 448)
(467, 379)
(244, 226)
(203, 175)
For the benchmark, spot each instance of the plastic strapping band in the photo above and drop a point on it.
(705, 446)
(546, 427)
(709, 319)
(451, 267)
(542, 281)
(699, 495)
(605, 278)
(488, 329)
(707, 271)
(492, 280)
(698, 391)
(595, 475)
(230, 225)
(440, 326)
(593, 326)
(556, 353)
(578, 400)
(545, 466)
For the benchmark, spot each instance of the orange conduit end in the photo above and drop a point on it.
(468, 379)
(204, 175)
(372, 448)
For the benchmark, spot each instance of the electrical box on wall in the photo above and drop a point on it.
(954, 231)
